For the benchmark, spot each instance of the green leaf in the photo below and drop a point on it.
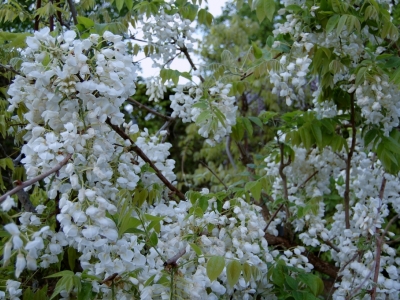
(88, 23)
(256, 50)
(140, 197)
(246, 272)
(291, 282)
(150, 280)
(72, 257)
(269, 8)
(65, 283)
(341, 24)
(196, 249)
(61, 274)
(256, 121)
(255, 188)
(332, 22)
(278, 276)
(119, 4)
(40, 294)
(85, 292)
(316, 132)
(128, 223)
(28, 294)
(215, 266)
(248, 126)
(129, 4)
(204, 115)
(153, 239)
(315, 283)
(233, 270)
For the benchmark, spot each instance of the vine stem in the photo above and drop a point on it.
(379, 242)
(348, 162)
(143, 156)
(150, 110)
(36, 179)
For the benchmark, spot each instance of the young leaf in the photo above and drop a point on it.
(214, 267)
(196, 249)
(233, 270)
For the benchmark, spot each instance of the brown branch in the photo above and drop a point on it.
(212, 172)
(348, 162)
(37, 19)
(11, 69)
(282, 166)
(308, 179)
(379, 242)
(143, 156)
(173, 260)
(187, 55)
(273, 216)
(36, 179)
(73, 11)
(51, 20)
(319, 264)
(150, 110)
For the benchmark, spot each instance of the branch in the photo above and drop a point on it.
(11, 69)
(228, 151)
(319, 264)
(348, 163)
(273, 217)
(36, 26)
(186, 53)
(379, 242)
(219, 179)
(73, 11)
(150, 110)
(143, 156)
(172, 260)
(36, 179)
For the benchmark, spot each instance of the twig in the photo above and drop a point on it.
(150, 110)
(11, 69)
(173, 260)
(186, 53)
(73, 11)
(308, 179)
(219, 179)
(228, 151)
(143, 156)
(36, 179)
(282, 166)
(36, 26)
(379, 242)
(273, 217)
(319, 264)
(341, 269)
(348, 163)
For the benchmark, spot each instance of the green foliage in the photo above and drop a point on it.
(293, 283)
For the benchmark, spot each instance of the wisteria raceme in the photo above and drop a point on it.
(213, 128)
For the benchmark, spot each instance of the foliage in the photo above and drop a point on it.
(272, 172)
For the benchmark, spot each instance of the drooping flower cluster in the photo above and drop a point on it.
(290, 81)
(215, 116)
(169, 33)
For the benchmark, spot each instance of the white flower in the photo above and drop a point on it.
(20, 264)
(7, 204)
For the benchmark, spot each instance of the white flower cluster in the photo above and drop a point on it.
(237, 235)
(219, 102)
(378, 103)
(168, 33)
(289, 82)
(309, 180)
(155, 89)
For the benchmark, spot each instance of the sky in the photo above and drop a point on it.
(215, 8)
